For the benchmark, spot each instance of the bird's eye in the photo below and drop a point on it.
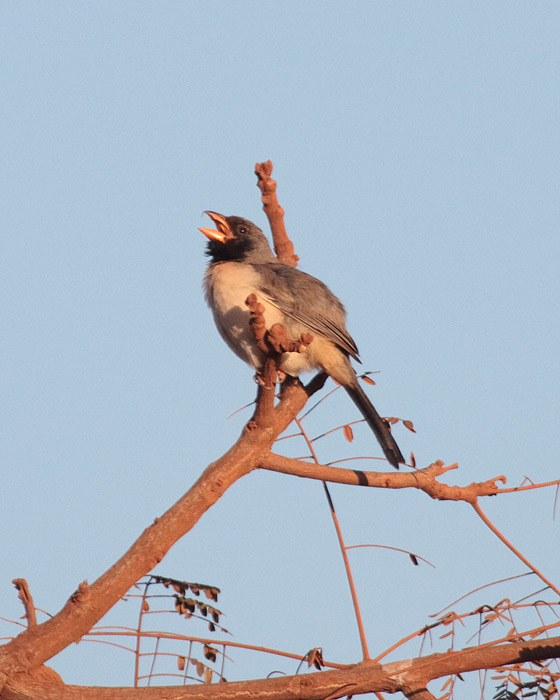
(242, 229)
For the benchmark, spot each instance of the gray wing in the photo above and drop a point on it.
(308, 301)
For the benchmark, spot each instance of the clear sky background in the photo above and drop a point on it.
(416, 146)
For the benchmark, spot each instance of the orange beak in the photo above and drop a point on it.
(222, 232)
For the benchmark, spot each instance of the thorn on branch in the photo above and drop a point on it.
(26, 598)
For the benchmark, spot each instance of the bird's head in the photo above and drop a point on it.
(236, 239)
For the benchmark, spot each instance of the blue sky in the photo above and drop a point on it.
(416, 148)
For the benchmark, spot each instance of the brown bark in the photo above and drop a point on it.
(409, 677)
(422, 479)
(283, 246)
(89, 603)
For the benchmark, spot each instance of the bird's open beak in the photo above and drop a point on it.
(222, 233)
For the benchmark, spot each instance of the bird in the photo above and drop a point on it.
(242, 263)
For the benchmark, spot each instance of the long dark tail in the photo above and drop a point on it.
(377, 424)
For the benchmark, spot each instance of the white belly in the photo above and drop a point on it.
(227, 286)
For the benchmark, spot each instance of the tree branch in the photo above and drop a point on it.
(509, 545)
(283, 246)
(33, 647)
(423, 479)
(409, 676)
(88, 604)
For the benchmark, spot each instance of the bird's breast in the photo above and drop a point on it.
(227, 286)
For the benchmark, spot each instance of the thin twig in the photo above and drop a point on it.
(395, 549)
(509, 545)
(529, 487)
(342, 545)
(480, 588)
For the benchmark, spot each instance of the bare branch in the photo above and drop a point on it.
(263, 416)
(510, 546)
(529, 487)
(34, 646)
(283, 246)
(407, 676)
(413, 557)
(423, 479)
(343, 551)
